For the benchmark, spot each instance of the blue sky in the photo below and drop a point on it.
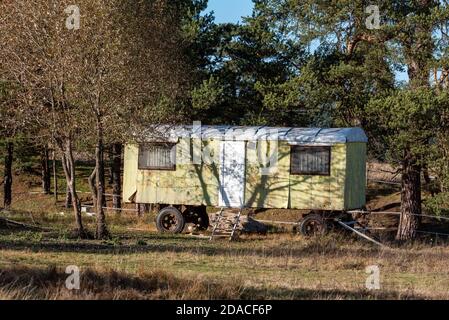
(233, 10)
(230, 10)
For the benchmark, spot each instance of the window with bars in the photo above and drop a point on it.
(157, 156)
(310, 160)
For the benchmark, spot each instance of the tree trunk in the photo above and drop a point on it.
(116, 176)
(111, 166)
(7, 200)
(140, 209)
(45, 171)
(92, 186)
(428, 182)
(68, 197)
(410, 201)
(55, 177)
(68, 193)
(68, 164)
(418, 53)
(102, 231)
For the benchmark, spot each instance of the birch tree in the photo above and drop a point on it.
(95, 69)
(36, 54)
(128, 59)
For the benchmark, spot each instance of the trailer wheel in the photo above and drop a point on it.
(313, 225)
(170, 220)
(197, 216)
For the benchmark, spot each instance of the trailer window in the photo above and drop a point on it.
(310, 160)
(157, 156)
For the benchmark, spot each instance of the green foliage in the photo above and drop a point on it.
(141, 242)
(209, 94)
(438, 204)
(25, 154)
(241, 67)
(291, 63)
(114, 241)
(406, 121)
(30, 236)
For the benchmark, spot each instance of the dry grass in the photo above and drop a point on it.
(138, 263)
(150, 266)
(49, 283)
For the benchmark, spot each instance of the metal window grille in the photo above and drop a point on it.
(310, 160)
(157, 156)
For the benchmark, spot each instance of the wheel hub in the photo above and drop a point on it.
(170, 222)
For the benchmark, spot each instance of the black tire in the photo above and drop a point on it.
(198, 216)
(203, 220)
(313, 225)
(170, 220)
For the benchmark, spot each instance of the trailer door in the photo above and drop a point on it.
(232, 174)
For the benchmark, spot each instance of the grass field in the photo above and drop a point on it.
(138, 263)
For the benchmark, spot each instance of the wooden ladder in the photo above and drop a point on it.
(226, 225)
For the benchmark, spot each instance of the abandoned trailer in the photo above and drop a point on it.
(183, 169)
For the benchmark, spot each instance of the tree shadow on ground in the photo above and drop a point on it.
(181, 244)
(45, 283)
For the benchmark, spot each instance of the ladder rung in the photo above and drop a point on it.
(226, 223)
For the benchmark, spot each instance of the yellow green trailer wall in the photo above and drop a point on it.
(192, 184)
(321, 192)
(189, 184)
(272, 190)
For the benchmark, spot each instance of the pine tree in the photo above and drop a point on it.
(358, 58)
(244, 65)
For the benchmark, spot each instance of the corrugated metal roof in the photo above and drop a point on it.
(239, 133)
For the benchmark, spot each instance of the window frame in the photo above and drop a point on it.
(309, 173)
(156, 168)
